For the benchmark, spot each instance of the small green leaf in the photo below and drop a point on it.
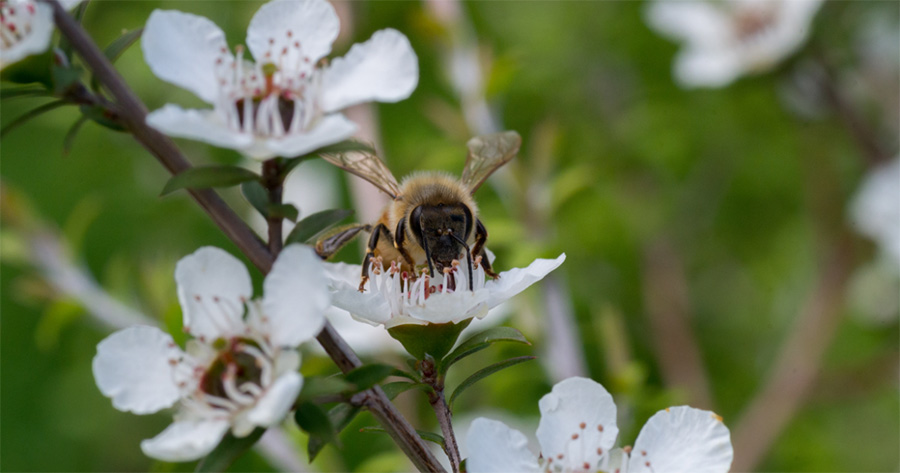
(432, 339)
(315, 387)
(101, 116)
(256, 194)
(116, 48)
(484, 372)
(367, 376)
(310, 226)
(204, 177)
(429, 436)
(482, 340)
(287, 211)
(30, 70)
(397, 387)
(24, 91)
(314, 421)
(34, 113)
(340, 416)
(72, 133)
(228, 450)
(64, 78)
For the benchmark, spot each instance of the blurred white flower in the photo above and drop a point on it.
(391, 297)
(726, 39)
(281, 105)
(875, 210)
(578, 430)
(26, 27)
(239, 372)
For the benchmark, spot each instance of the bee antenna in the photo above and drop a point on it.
(468, 256)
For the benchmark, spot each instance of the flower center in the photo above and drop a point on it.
(403, 289)
(15, 22)
(237, 364)
(752, 21)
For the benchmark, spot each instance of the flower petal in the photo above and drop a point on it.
(212, 289)
(578, 421)
(36, 40)
(875, 210)
(271, 408)
(709, 67)
(682, 440)
(697, 23)
(517, 280)
(132, 368)
(186, 440)
(454, 307)
(295, 296)
(182, 49)
(369, 306)
(494, 447)
(279, 26)
(201, 125)
(384, 68)
(330, 129)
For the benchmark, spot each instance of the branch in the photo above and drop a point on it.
(133, 115)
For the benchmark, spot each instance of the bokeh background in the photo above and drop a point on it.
(710, 262)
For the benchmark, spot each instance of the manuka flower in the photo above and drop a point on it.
(876, 209)
(391, 297)
(578, 429)
(285, 103)
(239, 371)
(26, 27)
(727, 39)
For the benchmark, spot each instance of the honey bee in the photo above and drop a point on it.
(432, 219)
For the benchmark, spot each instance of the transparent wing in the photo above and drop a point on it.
(486, 154)
(367, 166)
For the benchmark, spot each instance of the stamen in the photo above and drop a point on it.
(228, 382)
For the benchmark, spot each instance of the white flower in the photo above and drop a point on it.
(240, 370)
(26, 27)
(578, 430)
(283, 104)
(392, 298)
(875, 210)
(726, 39)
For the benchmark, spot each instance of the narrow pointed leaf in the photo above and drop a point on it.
(116, 48)
(205, 177)
(367, 376)
(229, 450)
(429, 436)
(397, 387)
(102, 116)
(256, 194)
(314, 421)
(26, 91)
(310, 226)
(485, 372)
(315, 387)
(287, 211)
(34, 113)
(340, 416)
(72, 133)
(482, 340)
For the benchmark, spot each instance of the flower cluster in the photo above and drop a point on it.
(727, 39)
(239, 371)
(578, 430)
(286, 102)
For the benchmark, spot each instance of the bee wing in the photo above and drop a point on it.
(367, 166)
(486, 154)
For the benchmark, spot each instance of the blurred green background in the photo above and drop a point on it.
(720, 210)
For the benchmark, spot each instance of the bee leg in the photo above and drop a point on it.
(370, 253)
(399, 240)
(481, 235)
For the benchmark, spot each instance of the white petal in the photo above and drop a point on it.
(201, 125)
(370, 306)
(295, 296)
(69, 4)
(453, 307)
(494, 447)
(132, 368)
(875, 210)
(698, 23)
(580, 408)
(186, 440)
(36, 41)
(384, 68)
(277, 401)
(682, 440)
(278, 25)
(329, 130)
(517, 280)
(182, 49)
(711, 67)
(212, 289)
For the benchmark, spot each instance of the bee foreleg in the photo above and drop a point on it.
(481, 235)
(370, 253)
(400, 239)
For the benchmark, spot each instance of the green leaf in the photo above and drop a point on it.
(397, 387)
(340, 416)
(30, 70)
(315, 387)
(204, 177)
(64, 78)
(256, 194)
(34, 113)
(429, 436)
(310, 226)
(483, 373)
(432, 339)
(24, 91)
(69, 139)
(482, 340)
(345, 146)
(367, 376)
(314, 421)
(228, 450)
(287, 211)
(101, 116)
(116, 48)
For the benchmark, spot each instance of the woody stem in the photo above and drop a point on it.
(274, 184)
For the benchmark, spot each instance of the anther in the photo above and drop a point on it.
(587, 466)
(271, 40)
(574, 436)
(599, 428)
(643, 453)
(173, 361)
(559, 457)
(599, 451)
(582, 425)
(647, 464)
(197, 297)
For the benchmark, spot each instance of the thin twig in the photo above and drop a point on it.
(442, 412)
(274, 184)
(133, 115)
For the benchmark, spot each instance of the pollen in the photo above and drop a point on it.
(717, 417)
(574, 436)
(599, 428)
(582, 425)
